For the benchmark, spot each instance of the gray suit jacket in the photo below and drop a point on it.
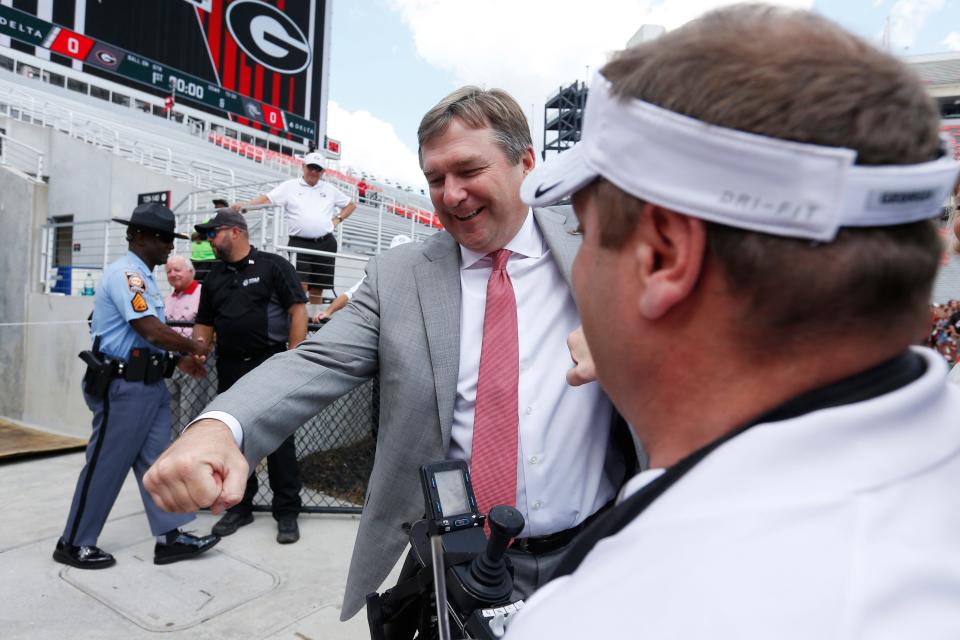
(403, 323)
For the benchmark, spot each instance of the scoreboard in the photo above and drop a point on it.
(261, 63)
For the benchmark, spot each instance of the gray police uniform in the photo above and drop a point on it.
(131, 421)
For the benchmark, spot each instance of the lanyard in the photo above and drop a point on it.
(879, 380)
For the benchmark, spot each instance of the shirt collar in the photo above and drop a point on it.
(140, 264)
(240, 264)
(528, 243)
(303, 183)
(188, 291)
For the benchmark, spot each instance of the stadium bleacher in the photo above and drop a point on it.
(210, 160)
(215, 166)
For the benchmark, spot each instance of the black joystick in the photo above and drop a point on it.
(487, 582)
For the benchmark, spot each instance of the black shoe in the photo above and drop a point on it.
(83, 557)
(230, 522)
(186, 545)
(287, 530)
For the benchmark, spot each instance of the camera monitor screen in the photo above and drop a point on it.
(452, 492)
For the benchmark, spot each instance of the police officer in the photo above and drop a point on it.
(131, 405)
(256, 305)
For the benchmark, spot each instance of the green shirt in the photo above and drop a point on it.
(200, 251)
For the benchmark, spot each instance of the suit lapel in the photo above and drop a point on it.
(563, 244)
(438, 285)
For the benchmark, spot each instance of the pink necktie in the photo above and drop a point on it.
(493, 461)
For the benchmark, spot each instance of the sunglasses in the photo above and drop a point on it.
(212, 233)
(165, 238)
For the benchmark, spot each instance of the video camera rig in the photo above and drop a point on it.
(464, 581)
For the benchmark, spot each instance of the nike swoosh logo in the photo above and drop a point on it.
(541, 190)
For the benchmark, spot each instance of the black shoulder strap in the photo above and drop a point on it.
(875, 382)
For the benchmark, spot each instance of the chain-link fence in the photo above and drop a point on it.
(334, 448)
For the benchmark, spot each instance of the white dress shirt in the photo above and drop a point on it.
(564, 430)
(308, 211)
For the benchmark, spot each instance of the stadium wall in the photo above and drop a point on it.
(51, 369)
(87, 182)
(22, 211)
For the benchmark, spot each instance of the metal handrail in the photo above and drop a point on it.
(104, 134)
(147, 152)
(219, 190)
(362, 232)
(104, 241)
(283, 248)
(7, 147)
(191, 116)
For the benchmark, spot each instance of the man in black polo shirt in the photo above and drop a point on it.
(254, 302)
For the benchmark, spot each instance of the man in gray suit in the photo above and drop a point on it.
(467, 333)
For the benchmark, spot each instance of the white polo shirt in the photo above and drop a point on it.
(308, 211)
(841, 523)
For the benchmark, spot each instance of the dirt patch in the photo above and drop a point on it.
(342, 472)
(18, 441)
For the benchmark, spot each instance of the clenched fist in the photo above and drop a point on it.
(203, 468)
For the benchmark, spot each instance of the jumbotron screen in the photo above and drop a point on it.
(259, 61)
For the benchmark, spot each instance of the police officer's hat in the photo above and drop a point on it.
(155, 217)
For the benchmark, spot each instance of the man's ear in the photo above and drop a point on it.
(670, 251)
(528, 159)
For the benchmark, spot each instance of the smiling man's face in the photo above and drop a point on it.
(474, 187)
(311, 174)
(179, 274)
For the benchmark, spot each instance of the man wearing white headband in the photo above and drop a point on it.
(755, 192)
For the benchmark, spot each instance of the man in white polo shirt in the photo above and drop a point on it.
(312, 210)
(756, 192)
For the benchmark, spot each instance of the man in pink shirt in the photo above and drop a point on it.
(181, 304)
(186, 395)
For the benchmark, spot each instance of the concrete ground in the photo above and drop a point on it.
(247, 587)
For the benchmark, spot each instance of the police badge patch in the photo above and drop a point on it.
(135, 282)
(139, 304)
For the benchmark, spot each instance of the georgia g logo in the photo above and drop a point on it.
(268, 35)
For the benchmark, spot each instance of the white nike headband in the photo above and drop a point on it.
(740, 179)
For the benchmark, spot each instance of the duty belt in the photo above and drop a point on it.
(145, 366)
